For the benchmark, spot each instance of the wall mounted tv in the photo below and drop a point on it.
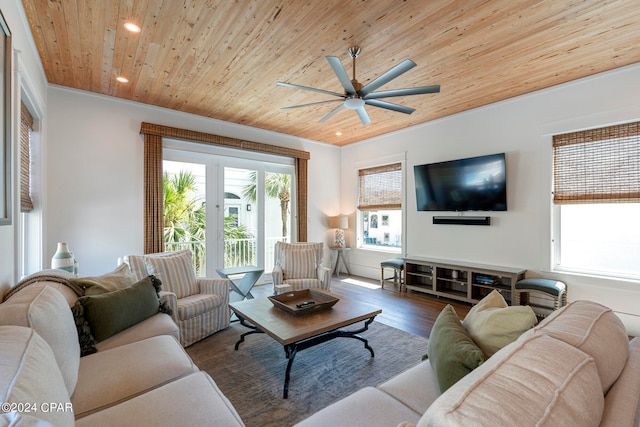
(472, 184)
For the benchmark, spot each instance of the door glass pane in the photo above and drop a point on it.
(185, 210)
(277, 189)
(240, 217)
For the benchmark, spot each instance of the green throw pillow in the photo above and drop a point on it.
(451, 351)
(99, 317)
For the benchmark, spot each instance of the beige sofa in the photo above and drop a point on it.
(576, 368)
(140, 376)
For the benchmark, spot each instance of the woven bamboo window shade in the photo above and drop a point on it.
(26, 127)
(153, 209)
(380, 187)
(597, 165)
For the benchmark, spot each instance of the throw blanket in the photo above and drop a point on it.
(43, 278)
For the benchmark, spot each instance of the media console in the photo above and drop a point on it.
(460, 281)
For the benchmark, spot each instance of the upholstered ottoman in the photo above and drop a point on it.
(546, 289)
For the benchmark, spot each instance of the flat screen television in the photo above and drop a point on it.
(471, 184)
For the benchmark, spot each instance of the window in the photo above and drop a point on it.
(596, 178)
(380, 207)
(254, 204)
(29, 185)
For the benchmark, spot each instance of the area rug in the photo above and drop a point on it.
(252, 378)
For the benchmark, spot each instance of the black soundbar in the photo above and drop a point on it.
(462, 220)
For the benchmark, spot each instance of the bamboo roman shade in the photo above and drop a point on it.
(26, 127)
(380, 187)
(597, 165)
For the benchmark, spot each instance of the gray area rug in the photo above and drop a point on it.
(252, 378)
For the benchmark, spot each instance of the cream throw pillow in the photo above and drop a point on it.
(492, 324)
(120, 278)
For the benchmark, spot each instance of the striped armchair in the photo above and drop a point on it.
(299, 265)
(200, 305)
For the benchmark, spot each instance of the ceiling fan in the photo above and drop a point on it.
(357, 96)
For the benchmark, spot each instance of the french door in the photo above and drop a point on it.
(229, 211)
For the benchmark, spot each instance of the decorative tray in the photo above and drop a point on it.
(303, 302)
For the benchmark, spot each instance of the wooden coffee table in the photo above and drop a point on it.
(297, 333)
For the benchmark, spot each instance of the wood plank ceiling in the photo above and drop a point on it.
(222, 59)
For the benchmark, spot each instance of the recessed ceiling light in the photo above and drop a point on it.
(338, 133)
(132, 27)
(122, 79)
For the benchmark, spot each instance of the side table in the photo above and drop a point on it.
(242, 288)
(339, 257)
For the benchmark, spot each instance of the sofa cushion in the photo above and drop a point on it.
(366, 407)
(451, 351)
(120, 278)
(594, 329)
(622, 402)
(537, 381)
(46, 310)
(299, 264)
(416, 387)
(194, 400)
(29, 376)
(195, 305)
(176, 272)
(17, 419)
(492, 324)
(109, 313)
(160, 324)
(105, 380)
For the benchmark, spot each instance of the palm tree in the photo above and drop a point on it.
(275, 185)
(184, 214)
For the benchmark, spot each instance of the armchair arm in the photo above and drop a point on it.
(216, 286)
(324, 275)
(277, 275)
(172, 301)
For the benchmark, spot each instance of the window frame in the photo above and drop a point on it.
(381, 162)
(590, 194)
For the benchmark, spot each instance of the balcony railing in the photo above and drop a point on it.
(237, 253)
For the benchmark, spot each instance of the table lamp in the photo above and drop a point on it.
(339, 222)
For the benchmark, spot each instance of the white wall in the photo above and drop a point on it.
(95, 165)
(521, 127)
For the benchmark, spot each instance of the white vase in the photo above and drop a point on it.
(62, 259)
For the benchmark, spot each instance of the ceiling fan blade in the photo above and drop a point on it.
(364, 117)
(389, 106)
(326, 92)
(403, 92)
(331, 113)
(385, 78)
(312, 103)
(342, 75)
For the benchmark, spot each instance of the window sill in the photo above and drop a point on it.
(388, 249)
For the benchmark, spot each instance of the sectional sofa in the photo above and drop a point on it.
(576, 368)
(139, 376)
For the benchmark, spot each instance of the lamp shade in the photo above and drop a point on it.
(340, 221)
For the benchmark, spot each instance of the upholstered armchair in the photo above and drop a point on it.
(299, 265)
(199, 305)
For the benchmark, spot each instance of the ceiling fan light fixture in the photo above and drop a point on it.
(354, 103)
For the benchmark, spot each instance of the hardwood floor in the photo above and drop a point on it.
(410, 311)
